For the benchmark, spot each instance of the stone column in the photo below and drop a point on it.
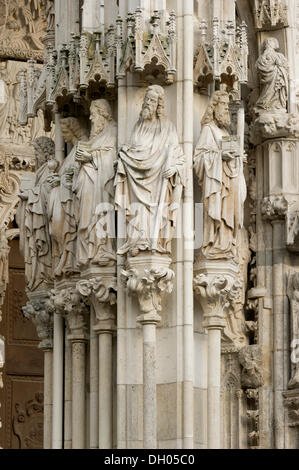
(215, 279)
(148, 284)
(40, 310)
(69, 303)
(101, 292)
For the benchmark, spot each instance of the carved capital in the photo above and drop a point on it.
(149, 285)
(291, 402)
(251, 358)
(40, 309)
(274, 208)
(72, 306)
(101, 292)
(213, 295)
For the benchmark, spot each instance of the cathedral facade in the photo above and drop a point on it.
(149, 224)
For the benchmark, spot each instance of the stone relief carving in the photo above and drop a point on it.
(94, 192)
(293, 294)
(292, 403)
(35, 243)
(219, 168)
(22, 27)
(61, 210)
(28, 423)
(251, 358)
(10, 105)
(150, 178)
(270, 13)
(274, 207)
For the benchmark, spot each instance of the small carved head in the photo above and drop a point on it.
(218, 110)
(154, 103)
(270, 43)
(72, 130)
(44, 148)
(100, 114)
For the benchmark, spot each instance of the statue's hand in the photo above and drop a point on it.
(23, 196)
(83, 157)
(53, 180)
(169, 173)
(228, 156)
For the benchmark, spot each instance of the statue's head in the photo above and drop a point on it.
(153, 104)
(218, 110)
(72, 130)
(270, 43)
(100, 115)
(44, 149)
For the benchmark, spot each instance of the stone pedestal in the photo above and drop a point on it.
(213, 281)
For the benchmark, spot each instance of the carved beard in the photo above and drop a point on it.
(147, 113)
(97, 128)
(222, 120)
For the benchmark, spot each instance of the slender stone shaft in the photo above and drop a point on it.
(48, 397)
(214, 403)
(57, 383)
(78, 393)
(105, 390)
(149, 387)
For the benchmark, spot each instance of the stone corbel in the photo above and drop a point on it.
(101, 292)
(40, 309)
(70, 304)
(251, 358)
(149, 285)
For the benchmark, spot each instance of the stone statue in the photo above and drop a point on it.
(32, 218)
(219, 168)
(62, 224)
(94, 198)
(293, 294)
(150, 178)
(272, 67)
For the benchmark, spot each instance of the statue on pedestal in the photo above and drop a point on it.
(150, 178)
(35, 243)
(219, 168)
(273, 70)
(62, 224)
(94, 198)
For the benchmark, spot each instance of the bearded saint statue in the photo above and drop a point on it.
(62, 224)
(150, 178)
(272, 67)
(35, 243)
(94, 198)
(220, 173)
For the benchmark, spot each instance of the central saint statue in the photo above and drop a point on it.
(219, 167)
(150, 178)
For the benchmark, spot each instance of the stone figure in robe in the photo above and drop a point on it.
(150, 178)
(94, 197)
(219, 168)
(62, 224)
(272, 68)
(35, 243)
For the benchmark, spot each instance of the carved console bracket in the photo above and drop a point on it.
(40, 309)
(222, 56)
(149, 283)
(150, 50)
